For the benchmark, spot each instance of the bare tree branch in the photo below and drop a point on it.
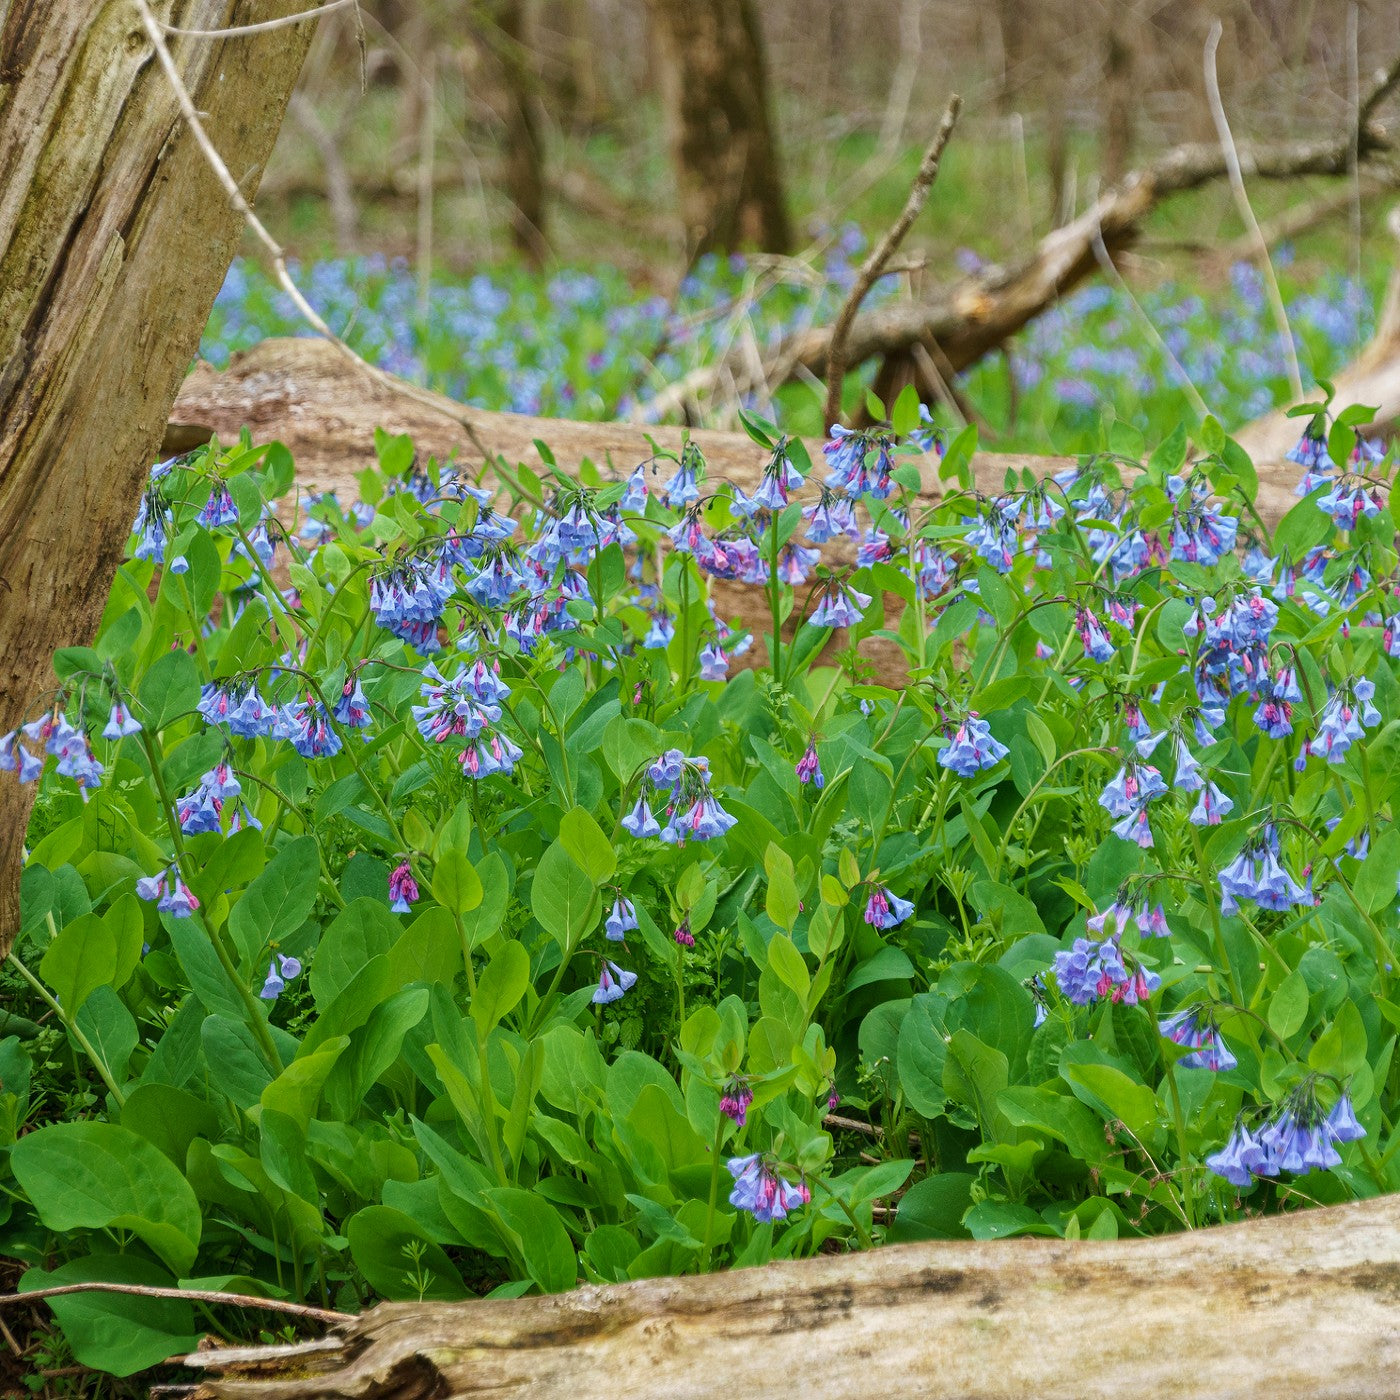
(881, 254)
(1246, 210)
(979, 313)
(263, 27)
(189, 1295)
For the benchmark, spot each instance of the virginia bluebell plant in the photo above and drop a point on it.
(440, 881)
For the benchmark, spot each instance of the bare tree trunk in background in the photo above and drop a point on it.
(1119, 99)
(114, 239)
(714, 86)
(586, 104)
(1031, 79)
(1061, 205)
(524, 141)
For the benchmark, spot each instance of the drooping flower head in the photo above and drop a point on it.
(403, 889)
(759, 1189)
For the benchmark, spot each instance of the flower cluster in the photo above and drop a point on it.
(1194, 1028)
(759, 1189)
(1302, 1137)
(1090, 971)
(683, 785)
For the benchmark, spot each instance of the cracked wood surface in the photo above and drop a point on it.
(114, 239)
(1303, 1305)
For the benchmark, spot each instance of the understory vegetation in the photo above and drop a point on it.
(587, 343)
(433, 895)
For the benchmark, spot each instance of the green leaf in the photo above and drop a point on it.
(110, 1029)
(973, 1075)
(1115, 1096)
(923, 1049)
(485, 920)
(236, 1064)
(789, 966)
(562, 897)
(543, 1242)
(1303, 527)
(170, 1118)
(888, 965)
(1060, 1115)
(1341, 1049)
(933, 1209)
(1001, 1220)
(587, 845)
(296, 1090)
(1374, 887)
(1288, 1007)
(115, 1332)
(98, 1176)
(361, 932)
(168, 690)
(996, 595)
(456, 885)
(500, 986)
(1241, 467)
(1169, 455)
(781, 900)
(82, 958)
(398, 1258)
(279, 901)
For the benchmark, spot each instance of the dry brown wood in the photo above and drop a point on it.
(306, 394)
(874, 266)
(1372, 379)
(1297, 1307)
(979, 313)
(114, 238)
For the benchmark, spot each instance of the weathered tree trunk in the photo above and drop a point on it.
(714, 85)
(524, 138)
(1119, 99)
(1295, 1307)
(114, 239)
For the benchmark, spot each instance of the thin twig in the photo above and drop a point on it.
(886, 248)
(1354, 160)
(190, 1295)
(1246, 210)
(263, 26)
(274, 249)
(1106, 264)
(853, 1125)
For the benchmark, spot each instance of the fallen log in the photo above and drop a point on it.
(308, 395)
(1373, 378)
(1304, 1306)
(958, 325)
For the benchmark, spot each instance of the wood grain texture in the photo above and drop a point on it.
(114, 240)
(1297, 1307)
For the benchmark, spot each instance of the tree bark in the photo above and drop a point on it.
(524, 137)
(1294, 1307)
(114, 239)
(1119, 100)
(714, 87)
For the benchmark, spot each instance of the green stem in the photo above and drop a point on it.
(1188, 1183)
(1208, 892)
(775, 600)
(257, 1022)
(71, 1026)
(714, 1195)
